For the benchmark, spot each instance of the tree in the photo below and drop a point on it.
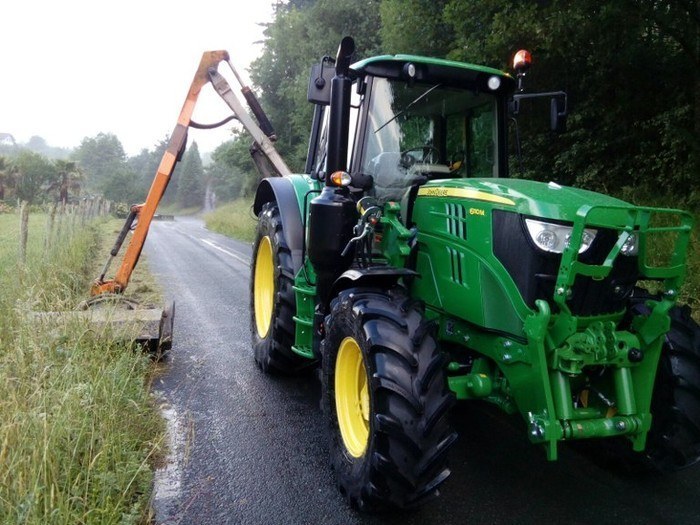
(39, 145)
(68, 179)
(123, 186)
(34, 173)
(141, 165)
(296, 39)
(100, 157)
(629, 85)
(631, 69)
(678, 20)
(7, 175)
(232, 170)
(190, 190)
(415, 27)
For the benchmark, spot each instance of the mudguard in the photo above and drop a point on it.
(373, 277)
(281, 190)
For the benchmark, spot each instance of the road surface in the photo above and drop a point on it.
(249, 448)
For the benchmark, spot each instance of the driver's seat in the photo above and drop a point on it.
(390, 178)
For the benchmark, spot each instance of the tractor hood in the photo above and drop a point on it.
(527, 197)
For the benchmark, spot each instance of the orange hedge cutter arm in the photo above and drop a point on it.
(144, 212)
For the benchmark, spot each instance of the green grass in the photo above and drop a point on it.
(661, 246)
(234, 219)
(79, 431)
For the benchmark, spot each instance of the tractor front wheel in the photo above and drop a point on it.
(272, 301)
(673, 442)
(385, 399)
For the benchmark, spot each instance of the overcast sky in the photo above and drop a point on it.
(74, 68)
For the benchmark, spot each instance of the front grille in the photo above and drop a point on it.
(456, 266)
(535, 271)
(456, 220)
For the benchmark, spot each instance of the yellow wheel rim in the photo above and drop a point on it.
(264, 287)
(352, 397)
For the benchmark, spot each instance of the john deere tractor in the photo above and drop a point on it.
(410, 268)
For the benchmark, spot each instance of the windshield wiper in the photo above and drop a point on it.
(410, 105)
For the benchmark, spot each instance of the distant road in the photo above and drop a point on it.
(248, 448)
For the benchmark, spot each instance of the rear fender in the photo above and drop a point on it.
(282, 191)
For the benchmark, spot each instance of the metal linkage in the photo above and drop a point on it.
(263, 142)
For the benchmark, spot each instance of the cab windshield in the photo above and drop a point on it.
(427, 130)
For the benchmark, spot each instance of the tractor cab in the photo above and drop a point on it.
(414, 119)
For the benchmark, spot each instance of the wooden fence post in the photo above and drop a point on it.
(23, 231)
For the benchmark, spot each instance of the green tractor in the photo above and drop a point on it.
(408, 265)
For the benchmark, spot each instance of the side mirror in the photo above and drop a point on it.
(558, 105)
(320, 82)
(557, 114)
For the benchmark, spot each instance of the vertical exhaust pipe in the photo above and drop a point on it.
(333, 214)
(339, 122)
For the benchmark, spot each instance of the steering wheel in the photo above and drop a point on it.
(423, 154)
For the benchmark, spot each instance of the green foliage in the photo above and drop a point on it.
(296, 39)
(234, 219)
(661, 251)
(414, 27)
(33, 173)
(39, 145)
(104, 163)
(122, 186)
(100, 156)
(33, 178)
(232, 171)
(146, 164)
(68, 180)
(190, 187)
(630, 68)
(7, 175)
(630, 86)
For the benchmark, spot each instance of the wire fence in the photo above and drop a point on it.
(62, 221)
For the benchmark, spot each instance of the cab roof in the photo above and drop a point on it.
(433, 70)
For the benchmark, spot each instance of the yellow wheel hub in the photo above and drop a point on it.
(352, 397)
(264, 287)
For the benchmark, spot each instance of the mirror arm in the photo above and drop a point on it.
(521, 96)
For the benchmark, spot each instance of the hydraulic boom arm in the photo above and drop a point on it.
(142, 214)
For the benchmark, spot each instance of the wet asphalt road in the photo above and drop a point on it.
(249, 448)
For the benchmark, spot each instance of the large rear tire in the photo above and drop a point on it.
(385, 400)
(673, 443)
(272, 300)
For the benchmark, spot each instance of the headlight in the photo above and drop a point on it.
(631, 245)
(554, 238)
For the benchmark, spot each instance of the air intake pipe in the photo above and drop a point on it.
(333, 214)
(339, 122)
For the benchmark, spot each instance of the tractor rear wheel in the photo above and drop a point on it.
(272, 300)
(385, 399)
(673, 443)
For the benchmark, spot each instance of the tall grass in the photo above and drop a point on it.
(78, 431)
(234, 219)
(661, 246)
